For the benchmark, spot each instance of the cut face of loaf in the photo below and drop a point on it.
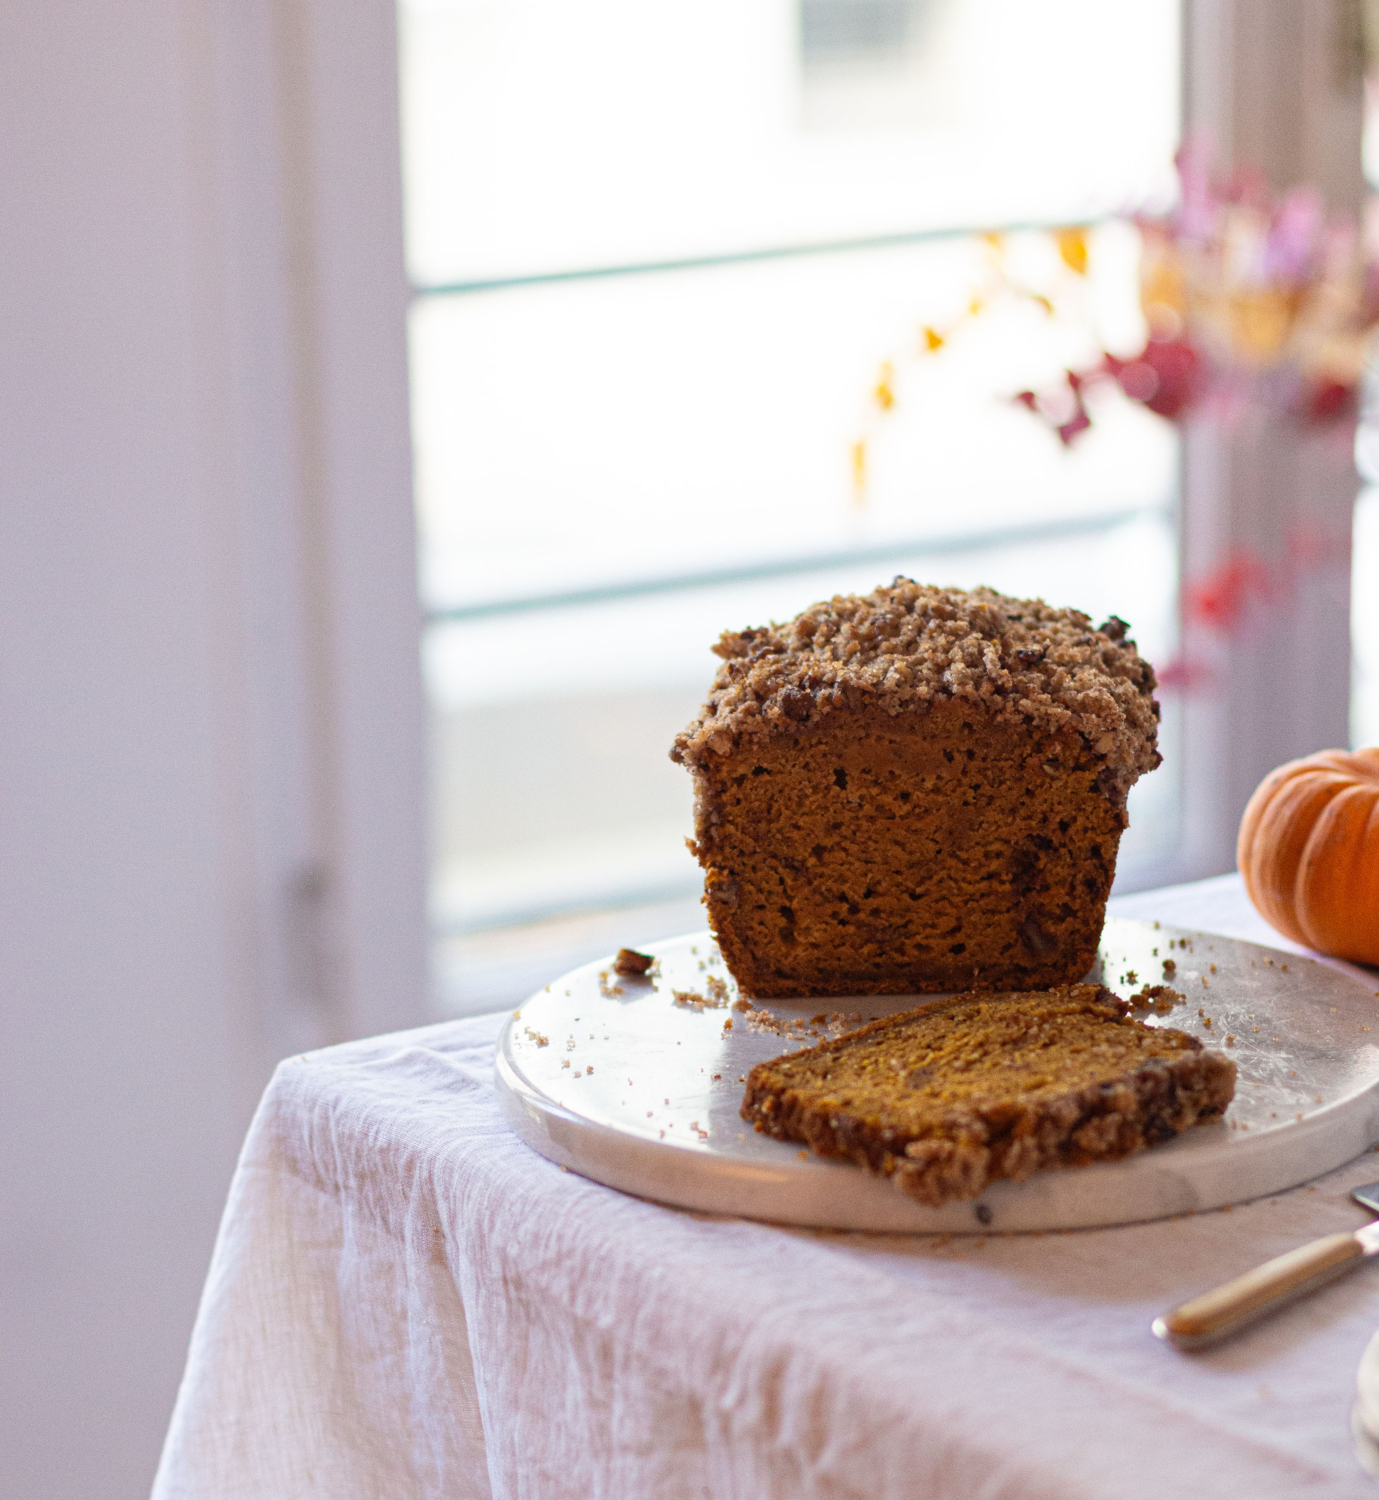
(880, 854)
(959, 1094)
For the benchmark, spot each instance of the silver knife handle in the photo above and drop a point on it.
(1218, 1314)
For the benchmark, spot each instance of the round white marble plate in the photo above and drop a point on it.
(614, 1079)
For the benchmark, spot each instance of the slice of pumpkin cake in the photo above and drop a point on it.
(921, 789)
(951, 1097)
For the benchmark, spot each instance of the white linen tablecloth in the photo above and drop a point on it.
(405, 1301)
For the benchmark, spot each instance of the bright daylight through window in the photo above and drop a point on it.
(695, 344)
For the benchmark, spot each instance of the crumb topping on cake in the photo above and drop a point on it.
(903, 647)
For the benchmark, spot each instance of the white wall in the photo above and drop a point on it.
(211, 799)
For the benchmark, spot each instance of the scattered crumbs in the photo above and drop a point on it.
(718, 991)
(1200, 1011)
(1153, 953)
(1311, 1190)
(1156, 927)
(564, 1169)
(693, 1000)
(1206, 1021)
(570, 1044)
(1333, 1010)
(718, 1075)
(1273, 1115)
(564, 1062)
(1156, 997)
(742, 1137)
(1130, 977)
(629, 962)
(663, 1135)
(1205, 985)
(1292, 1072)
(742, 1078)
(517, 1014)
(588, 1067)
(1364, 1028)
(629, 1083)
(802, 1155)
(1230, 1040)
(1170, 968)
(1213, 968)
(541, 1041)
(667, 1101)
(1316, 1098)
(1254, 1028)
(1298, 1116)
(702, 1134)
(648, 1114)
(1225, 1208)
(728, 1024)
(1284, 967)
(578, 1073)
(609, 991)
(834, 1023)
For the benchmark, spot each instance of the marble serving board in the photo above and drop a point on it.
(615, 1079)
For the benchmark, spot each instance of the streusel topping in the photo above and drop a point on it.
(903, 647)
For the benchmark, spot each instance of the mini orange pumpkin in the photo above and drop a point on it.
(1309, 852)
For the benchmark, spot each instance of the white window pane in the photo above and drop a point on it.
(591, 432)
(541, 134)
(601, 434)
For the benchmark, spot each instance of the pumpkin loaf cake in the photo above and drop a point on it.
(921, 789)
(947, 1099)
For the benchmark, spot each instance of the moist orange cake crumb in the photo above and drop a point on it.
(921, 789)
(951, 1097)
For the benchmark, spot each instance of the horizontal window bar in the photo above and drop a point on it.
(735, 258)
(785, 567)
(574, 903)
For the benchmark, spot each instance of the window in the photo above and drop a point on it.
(661, 255)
